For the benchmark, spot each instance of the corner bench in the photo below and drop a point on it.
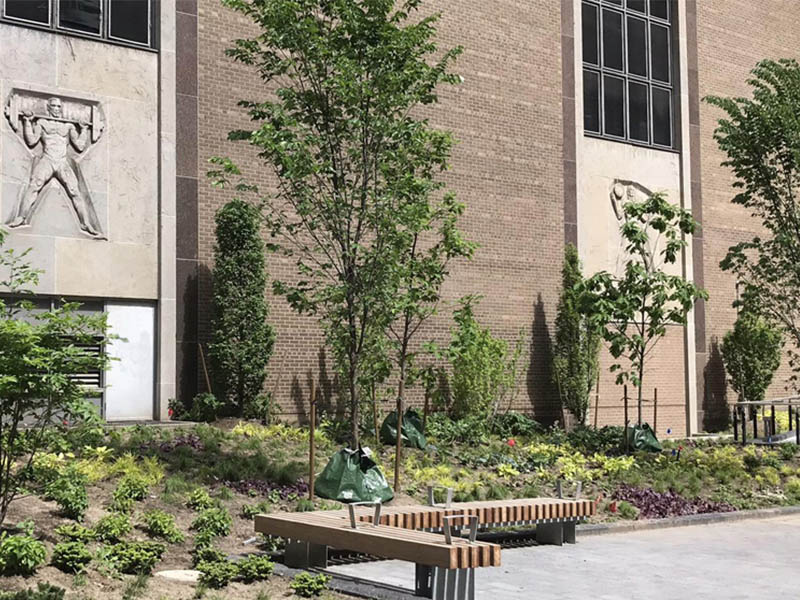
(445, 563)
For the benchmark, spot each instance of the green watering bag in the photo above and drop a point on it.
(643, 438)
(413, 436)
(352, 476)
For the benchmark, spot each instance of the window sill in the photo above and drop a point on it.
(77, 34)
(607, 138)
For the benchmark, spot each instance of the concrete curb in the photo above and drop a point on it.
(705, 519)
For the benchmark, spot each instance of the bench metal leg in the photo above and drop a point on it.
(302, 555)
(569, 532)
(438, 583)
(550, 533)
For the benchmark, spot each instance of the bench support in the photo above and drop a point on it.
(303, 555)
(439, 583)
(550, 533)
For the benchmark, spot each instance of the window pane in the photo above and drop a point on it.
(615, 2)
(662, 117)
(637, 112)
(614, 105)
(612, 39)
(659, 52)
(637, 5)
(37, 11)
(637, 46)
(80, 15)
(130, 20)
(591, 101)
(590, 37)
(660, 9)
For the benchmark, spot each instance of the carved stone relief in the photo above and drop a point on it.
(622, 191)
(58, 133)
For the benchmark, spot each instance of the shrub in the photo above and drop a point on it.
(131, 487)
(113, 527)
(217, 574)
(162, 525)
(200, 500)
(792, 490)
(577, 343)
(255, 567)
(627, 510)
(249, 511)
(134, 558)
(307, 585)
(20, 554)
(75, 532)
(205, 408)
(71, 557)
(213, 521)
(43, 591)
(242, 339)
(752, 353)
(69, 492)
(483, 373)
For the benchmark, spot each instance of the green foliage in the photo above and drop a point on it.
(627, 510)
(215, 521)
(43, 591)
(162, 525)
(113, 527)
(136, 587)
(356, 168)
(255, 567)
(577, 342)
(75, 532)
(200, 500)
(304, 505)
(249, 511)
(69, 492)
(792, 490)
(205, 408)
(71, 557)
(242, 340)
(131, 487)
(633, 309)
(39, 354)
(761, 139)
(20, 554)
(203, 551)
(752, 353)
(483, 372)
(307, 585)
(217, 574)
(134, 558)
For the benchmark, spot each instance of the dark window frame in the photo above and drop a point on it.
(601, 71)
(105, 25)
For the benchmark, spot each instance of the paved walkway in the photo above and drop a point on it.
(747, 559)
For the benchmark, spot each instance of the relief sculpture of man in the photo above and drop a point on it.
(56, 135)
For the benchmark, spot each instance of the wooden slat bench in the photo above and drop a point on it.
(445, 564)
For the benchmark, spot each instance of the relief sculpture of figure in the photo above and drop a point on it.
(56, 135)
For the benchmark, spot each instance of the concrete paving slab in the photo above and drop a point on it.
(731, 560)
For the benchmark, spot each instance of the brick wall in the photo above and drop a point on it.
(507, 168)
(732, 36)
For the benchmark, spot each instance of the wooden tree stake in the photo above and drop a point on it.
(311, 441)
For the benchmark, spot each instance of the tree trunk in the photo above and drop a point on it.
(399, 445)
(354, 431)
(641, 374)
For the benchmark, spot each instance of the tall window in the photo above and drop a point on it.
(628, 79)
(122, 21)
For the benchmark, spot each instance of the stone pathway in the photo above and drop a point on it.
(737, 560)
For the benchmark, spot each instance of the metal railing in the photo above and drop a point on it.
(740, 417)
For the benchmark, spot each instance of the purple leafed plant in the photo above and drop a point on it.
(660, 505)
(190, 439)
(266, 488)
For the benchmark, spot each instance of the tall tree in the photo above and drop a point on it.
(634, 309)
(761, 138)
(752, 354)
(577, 342)
(347, 148)
(242, 339)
